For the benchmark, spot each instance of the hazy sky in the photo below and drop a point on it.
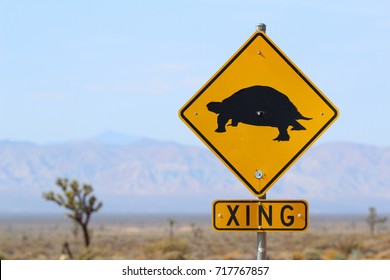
(73, 69)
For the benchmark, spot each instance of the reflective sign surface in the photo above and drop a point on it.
(259, 113)
(260, 215)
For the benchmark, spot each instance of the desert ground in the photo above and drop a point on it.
(126, 237)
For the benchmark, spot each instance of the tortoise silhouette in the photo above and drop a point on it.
(259, 106)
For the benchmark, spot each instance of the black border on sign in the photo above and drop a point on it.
(262, 191)
(257, 201)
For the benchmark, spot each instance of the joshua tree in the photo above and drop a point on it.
(171, 223)
(373, 219)
(197, 232)
(78, 201)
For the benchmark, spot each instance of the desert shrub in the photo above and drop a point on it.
(298, 256)
(356, 254)
(25, 237)
(88, 254)
(347, 245)
(2, 256)
(313, 255)
(384, 255)
(333, 255)
(174, 255)
(232, 256)
(168, 249)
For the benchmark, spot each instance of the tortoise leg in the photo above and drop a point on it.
(221, 120)
(283, 135)
(297, 126)
(234, 123)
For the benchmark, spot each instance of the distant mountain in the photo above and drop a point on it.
(341, 176)
(144, 175)
(115, 138)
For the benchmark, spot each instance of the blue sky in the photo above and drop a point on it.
(73, 69)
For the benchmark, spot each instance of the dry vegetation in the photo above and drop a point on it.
(141, 237)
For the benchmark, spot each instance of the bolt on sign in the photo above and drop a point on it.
(260, 215)
(258, 113)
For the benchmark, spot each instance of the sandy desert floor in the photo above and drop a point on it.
(149, 237)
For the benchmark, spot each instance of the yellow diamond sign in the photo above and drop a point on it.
(259, 113)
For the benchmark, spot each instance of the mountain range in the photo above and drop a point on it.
(138, 175)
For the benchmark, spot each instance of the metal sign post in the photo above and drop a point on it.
(262, 236)
(262, 242)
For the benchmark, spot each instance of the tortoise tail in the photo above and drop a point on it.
(304, 118)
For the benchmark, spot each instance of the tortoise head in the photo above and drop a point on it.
(215, 107)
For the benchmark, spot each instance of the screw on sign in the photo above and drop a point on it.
(258, 174)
